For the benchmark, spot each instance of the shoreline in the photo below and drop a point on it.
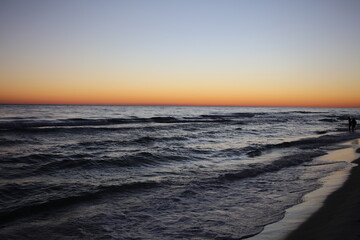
(309, 219)
(339, 217)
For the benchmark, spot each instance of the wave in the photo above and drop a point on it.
(231, 115)
(11, 192)
(313, 144)
(39, 163)
(43, 164)
(63, 123)
(146, 140)
(111, 124)
(323, 140)
(135, 160)
(304, 112)
(307, 143)
(18, 125)
(10, 142)
(32, 158)
(18, 118)
(330, 120)
(140, 159)
(106, 143)
(73, 122)
(284, 162)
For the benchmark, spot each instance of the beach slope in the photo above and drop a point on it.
(338, 218)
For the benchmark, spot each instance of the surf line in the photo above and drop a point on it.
(313, 201)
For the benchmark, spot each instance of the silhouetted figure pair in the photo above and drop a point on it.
(352, 124)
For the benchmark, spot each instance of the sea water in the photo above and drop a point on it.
(159, 172)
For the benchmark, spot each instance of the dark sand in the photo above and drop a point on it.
(338, 218)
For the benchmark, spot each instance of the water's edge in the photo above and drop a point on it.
(313, 201)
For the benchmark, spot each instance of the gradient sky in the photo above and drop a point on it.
(181, 52)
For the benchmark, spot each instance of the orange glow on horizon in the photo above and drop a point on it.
(189, 98)
(190, 89)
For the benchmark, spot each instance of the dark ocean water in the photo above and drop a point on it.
(133, 172)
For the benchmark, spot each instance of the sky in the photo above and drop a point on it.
(301, 53)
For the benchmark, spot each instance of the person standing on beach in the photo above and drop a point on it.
(350, 123)
(353, 124)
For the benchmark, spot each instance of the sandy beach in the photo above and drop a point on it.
(339, 217)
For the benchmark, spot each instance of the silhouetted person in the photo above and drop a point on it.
(350, 123)
(353, 124)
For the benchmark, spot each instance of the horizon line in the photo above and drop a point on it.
(169, 105)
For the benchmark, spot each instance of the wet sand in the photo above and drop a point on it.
(339, 217)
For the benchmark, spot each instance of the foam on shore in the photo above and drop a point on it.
(313, 202)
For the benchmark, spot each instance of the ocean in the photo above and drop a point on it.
(159, 172)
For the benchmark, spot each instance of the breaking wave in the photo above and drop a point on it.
(254, 170)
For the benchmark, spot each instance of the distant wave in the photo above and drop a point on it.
(303, 112)
(138, 141)
(236, 118)
(72, 122)
(232, 115)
